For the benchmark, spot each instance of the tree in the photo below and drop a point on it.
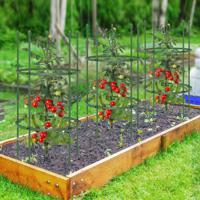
(159, 9)
(63, 15)
(155, 12)
(163, 12)
(58, 19)
(53, 19)
(192, 12)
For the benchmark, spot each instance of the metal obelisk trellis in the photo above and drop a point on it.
(26, 119)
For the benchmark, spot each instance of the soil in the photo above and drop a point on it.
(94, 145)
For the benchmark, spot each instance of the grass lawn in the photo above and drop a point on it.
(172, 175)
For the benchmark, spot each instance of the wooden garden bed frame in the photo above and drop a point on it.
(96, 174)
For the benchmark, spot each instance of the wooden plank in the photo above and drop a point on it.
(99, 173)
(35, 178)
(87, 118)
(12, 140)
(195, 106)
(179, 133)
(151, 148)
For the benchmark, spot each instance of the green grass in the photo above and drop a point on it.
(171, 175)
(10, 191)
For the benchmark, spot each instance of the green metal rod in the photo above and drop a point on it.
(137, 85)
(69, 103)
(131, 77)
(97, 83)
(153, 69)
(29, 95)
(87, 75)
(189, 64)
(145, 66)
(183, 68)
(17, 43)
(77, 86)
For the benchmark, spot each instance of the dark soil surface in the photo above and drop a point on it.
(94, 146)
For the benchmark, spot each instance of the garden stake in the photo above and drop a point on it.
(17, 122)
(131, 76)
(137, 84)
(153, 68)
(29, 95)
(183, 71)
(87, 76)
(77, 86)
(69, 103)
(97, 81)
(145, 67)
(189, 65)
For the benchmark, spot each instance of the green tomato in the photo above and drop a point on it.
(121, 76)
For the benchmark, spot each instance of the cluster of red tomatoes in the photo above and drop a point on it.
(161, 98)
(40, 137)
(55, 109)
(105, 114)
(172, 77)
(169, 76)
(112, 86)
(58, 108)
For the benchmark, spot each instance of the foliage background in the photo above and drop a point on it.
(35, 15)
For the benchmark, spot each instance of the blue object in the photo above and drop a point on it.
(195, 100)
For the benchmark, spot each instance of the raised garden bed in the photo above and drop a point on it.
(95, 147)
(97, 173)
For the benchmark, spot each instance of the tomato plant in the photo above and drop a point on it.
(113, 86)
(166, 72)
(48, 114)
